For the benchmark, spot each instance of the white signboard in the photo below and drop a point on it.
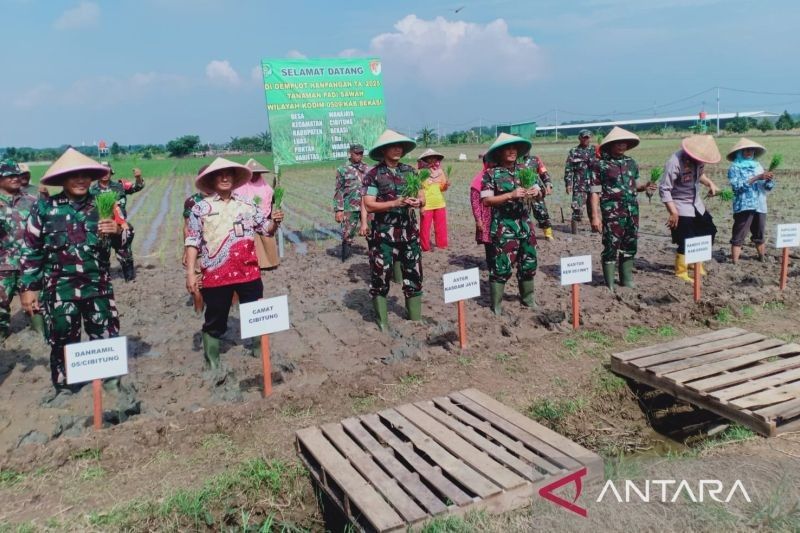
(461, 285)
(264, 316)
(576, 269)
(100, 359)
(698, 249)
(788, 236)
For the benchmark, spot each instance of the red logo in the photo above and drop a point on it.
(375, 67)
(546, 492)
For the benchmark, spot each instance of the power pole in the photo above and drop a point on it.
(556, 124)
(717, 111)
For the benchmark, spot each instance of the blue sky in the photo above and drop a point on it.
(140, 71)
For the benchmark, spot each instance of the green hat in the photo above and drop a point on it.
(8, 168)
(388, 138)
(503, 140)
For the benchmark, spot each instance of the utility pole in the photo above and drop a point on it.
(480, 129)
(556, 124)
(717, 111)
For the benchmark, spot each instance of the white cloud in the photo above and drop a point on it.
(222, 73)
(85, 15)
(257, 74)
(444, 53)
(295, 54)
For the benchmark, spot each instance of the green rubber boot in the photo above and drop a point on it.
(608, 274)
(37, 323)
(381, 312)
(526, 293)
(397, 270)
(626, 272)
(211, 351)
(414, 307)
(497, 289)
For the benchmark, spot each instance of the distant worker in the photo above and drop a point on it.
(577, 175)
(347, 206)
(435, 212)
(258, 191)
(538, 206)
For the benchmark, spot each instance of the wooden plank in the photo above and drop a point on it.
(468, 433)
(478, 459)
(690, 362)
(745, 418)
(361, 493)
(577, 452)
(789, 427)
(388, 487)
(769, 396)
(398, 470)
(729, 364)
(425, 470)
(485, 427)
(678, 343)
(785, 410)
(454, 466)
(702, 349)
(756, 385)
(732, 378)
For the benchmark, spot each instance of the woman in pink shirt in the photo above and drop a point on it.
(482, 214)
(258, 191)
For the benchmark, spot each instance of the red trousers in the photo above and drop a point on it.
(437, 217)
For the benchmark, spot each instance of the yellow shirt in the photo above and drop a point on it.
(433, 187)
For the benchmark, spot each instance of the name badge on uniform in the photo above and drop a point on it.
(238, 229)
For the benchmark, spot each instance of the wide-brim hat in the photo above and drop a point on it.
(620, 134)
(72, 162)
(701, 148)
(741, 145)
(505, 139)
(24, 169)
(241, 174)
(256, 167)
(387, 138)
(430, 152)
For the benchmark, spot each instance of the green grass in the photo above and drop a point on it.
(636, 333)
(554, 411)
(92, 454)
(411, 380)
(723, 315)
(9, 478)
(607, 382)
(464, 361)
(666, 331)
(472, 522)
(93, 472)
(775, 305)
(620, 466)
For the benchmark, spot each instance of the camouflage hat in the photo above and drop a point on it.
(108, 166)
(8, 168)
(357, 148)
(24, 169)
(584, 133)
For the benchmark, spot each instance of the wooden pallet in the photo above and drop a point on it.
(402, 466)
(745, 377)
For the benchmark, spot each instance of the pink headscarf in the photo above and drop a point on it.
(476, 181)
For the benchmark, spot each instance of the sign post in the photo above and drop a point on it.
(574, 271)
(459, 286)
(95, 361)
(260, 318)
(787, 236)
(698, 250)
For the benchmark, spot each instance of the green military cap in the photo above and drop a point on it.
(585, 133)
(357, 148)
(8, 168)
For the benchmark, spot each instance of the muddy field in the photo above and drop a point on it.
(185, 449)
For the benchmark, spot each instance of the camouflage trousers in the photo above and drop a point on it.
(579, 199)
(352, 221)
(124, 250)
(513, 243)
(619, 237)
(62, 326)
(383, 253)
(9, 286)
(539, 210)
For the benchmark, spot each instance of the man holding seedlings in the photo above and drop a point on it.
(577, 174)
(221, 233)
(679, 189)
(66, 257)
(504, 188)
(15, 205)
(347, 206)
(393, 192)
(613, 189)
(538, 207)
(122, 188)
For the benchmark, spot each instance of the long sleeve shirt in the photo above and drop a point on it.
(681, 184)
(14, 212)
(749, 196)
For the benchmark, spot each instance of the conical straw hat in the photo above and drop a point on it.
(701, 148)
(505, 139)
(256, 167)
(24, 169)
(620, 134)
(390, 137)
(203, 181)
(71, 162)
(430, 152)
(741, 145)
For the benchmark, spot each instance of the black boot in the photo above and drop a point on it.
(128, 271)
(346, 251)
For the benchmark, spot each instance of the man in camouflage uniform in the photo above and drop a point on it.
(614, 186)
(15, 204)
(538, 207)
(123, 189)
(576, 176)
(347, 198)
(66, 257)
(394, 234)
(511, 230)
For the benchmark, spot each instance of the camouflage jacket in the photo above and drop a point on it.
(122, 188)
(387, 184)
(535, 162)
(190, 202)
(349, 187)
(63, 255)
(578, 167)
(14, 212)
(614, 179)
(500, 180)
